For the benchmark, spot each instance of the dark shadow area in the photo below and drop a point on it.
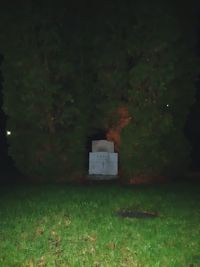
(192, 126)
(98, 134)
(192, 130)
(8, 170)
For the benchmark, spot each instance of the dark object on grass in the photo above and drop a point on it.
(137, 214)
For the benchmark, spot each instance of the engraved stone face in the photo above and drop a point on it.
(103, 163)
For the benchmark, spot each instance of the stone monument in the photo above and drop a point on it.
(103, 161)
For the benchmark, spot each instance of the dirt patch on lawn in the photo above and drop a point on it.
(136, 214)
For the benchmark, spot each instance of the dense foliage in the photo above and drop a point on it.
(67, 69)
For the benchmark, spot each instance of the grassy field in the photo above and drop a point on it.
(77, 226)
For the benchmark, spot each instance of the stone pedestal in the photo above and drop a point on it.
(103, 165)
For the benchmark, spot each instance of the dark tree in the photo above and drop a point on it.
(68, 70)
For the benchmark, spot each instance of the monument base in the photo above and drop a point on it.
(100, 177)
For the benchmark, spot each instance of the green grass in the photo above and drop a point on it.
(76, 226)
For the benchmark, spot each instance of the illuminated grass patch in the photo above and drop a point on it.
(78, 226)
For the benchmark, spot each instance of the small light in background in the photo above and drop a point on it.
(8, 132)
(167, 105)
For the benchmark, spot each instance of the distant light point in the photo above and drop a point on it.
(8, 132)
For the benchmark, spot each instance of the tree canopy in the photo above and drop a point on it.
(69, 69)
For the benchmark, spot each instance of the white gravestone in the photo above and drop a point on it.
(103, 162)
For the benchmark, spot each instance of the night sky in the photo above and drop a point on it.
(192, 127)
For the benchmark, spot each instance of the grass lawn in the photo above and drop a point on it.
(77, 226)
